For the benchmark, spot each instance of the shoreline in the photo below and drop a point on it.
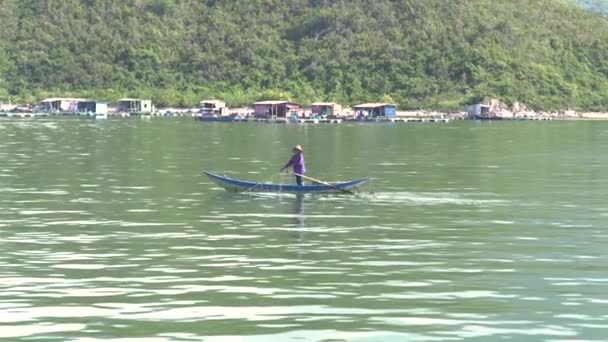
(348, 116)
(400, 117)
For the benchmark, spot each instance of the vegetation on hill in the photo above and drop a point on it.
(549, 54)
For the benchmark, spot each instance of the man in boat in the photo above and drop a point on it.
(297, 163)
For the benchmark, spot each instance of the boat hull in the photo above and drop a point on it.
(236, 185)
(225, 118)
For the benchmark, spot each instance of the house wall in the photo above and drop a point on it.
(260, 109)
(101, 108)
(86, 107)
(292, 107)
(69, 105)
(146, 106)
(320, 109)
(338, 110)
(389, 111)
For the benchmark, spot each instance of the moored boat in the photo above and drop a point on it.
(237, 185)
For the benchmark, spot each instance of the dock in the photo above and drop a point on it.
(22, 115)
(406, 120)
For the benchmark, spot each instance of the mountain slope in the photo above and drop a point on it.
(433, 53)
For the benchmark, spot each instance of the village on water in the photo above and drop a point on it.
(271, 111)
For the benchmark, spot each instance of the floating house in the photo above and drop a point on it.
(275, 109)
(135, 106)
(375, 110)
(326, 108)
(92, 107)
(479, 110)
(213, 107)
(58, 104)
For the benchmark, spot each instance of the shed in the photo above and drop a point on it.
(278, 109)
(326, 108)
(135, 106)
(375, 110)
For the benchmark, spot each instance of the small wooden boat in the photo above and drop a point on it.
(236, 185)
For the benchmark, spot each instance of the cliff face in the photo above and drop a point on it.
(548, 54)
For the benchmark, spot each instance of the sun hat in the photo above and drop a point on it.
(298, 147)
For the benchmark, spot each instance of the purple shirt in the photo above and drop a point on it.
(298, 164)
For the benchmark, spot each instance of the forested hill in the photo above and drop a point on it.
(548, 54)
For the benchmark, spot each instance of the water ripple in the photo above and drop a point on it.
(109, 233)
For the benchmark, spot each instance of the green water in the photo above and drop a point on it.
(468, 231)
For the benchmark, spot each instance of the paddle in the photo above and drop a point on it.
(322, 182)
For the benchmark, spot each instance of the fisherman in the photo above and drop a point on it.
(297, 163)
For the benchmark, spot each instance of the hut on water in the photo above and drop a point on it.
(326, 109)
(135, 106)
(375, 110)
(60, 104)
(213, 107)
(275, 109)
(479, 110)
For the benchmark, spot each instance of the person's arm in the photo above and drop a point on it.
(289, 163)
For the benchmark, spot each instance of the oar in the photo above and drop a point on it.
(322, 182)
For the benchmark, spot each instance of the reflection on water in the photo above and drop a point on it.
(109, 232)
(298, 218)
(298, 210)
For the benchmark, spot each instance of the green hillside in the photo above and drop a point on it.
(549, 54)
